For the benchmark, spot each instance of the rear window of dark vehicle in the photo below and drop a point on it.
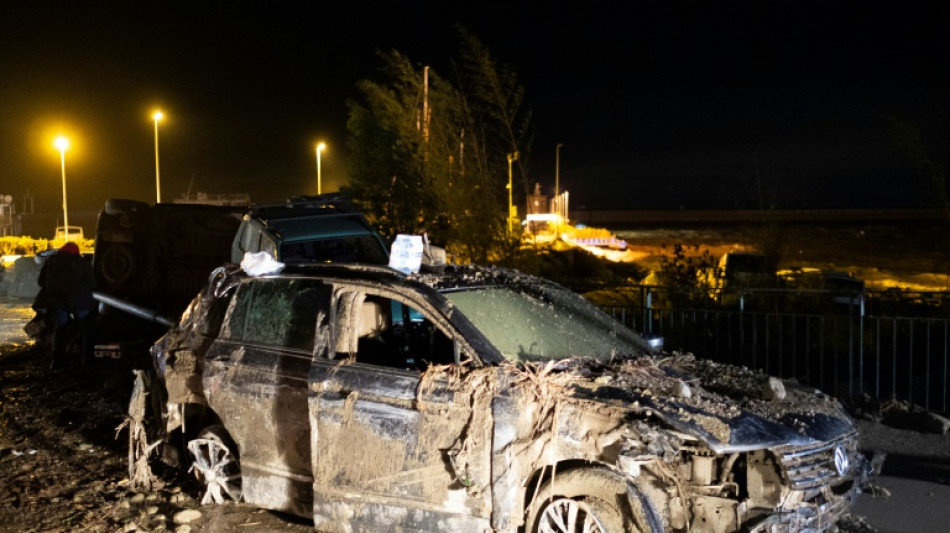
(277, 312)
(356, 249)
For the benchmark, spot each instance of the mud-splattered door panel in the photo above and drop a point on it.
(256, 381)
(388, 440)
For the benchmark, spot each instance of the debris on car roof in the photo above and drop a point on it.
(260, 264)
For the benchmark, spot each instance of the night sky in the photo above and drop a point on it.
(701, 104)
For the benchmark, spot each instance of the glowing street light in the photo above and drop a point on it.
(320, 147)
(557, 186)
(157, 116)
(62, 144)
(512, 157)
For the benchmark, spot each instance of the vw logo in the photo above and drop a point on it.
(841, 460)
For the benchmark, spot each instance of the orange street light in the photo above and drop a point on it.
(62, 144)
(320, 148)
(157, 116)
(557, 187)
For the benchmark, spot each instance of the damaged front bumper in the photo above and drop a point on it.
(788, 488)
(823, 510)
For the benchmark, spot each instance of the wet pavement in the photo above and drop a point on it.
(14, 314)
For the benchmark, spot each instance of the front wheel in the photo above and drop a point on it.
(215, 464)
(590, 501)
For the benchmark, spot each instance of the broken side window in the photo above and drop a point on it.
(277, 312)
(391, 333)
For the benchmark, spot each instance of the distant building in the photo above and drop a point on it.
(544, 213)
(537, 205)
(9, 223)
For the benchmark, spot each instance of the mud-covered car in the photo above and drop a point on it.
(481, 399)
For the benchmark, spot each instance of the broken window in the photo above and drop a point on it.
(277, 312)
(391, 333)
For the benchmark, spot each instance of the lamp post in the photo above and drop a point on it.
(512, 157)
(320, 148)
(62, 143)
(557, 186)
(157, 116)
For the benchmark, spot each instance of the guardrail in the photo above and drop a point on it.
(848, 345)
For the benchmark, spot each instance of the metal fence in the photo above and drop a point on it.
(846, 345)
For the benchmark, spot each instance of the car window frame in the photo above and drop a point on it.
(252, 284)
(344, 305)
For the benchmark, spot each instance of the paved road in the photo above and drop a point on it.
(919, 500)
(14, 314)
(914, 506)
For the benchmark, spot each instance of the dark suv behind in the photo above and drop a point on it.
(310, 229)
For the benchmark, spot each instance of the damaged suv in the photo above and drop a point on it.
(480, 399)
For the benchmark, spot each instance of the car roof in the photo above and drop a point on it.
(326, 204)
(448, 278)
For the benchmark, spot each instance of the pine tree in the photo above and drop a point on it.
(432, 158)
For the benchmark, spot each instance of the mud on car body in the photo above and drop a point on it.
(483, 400)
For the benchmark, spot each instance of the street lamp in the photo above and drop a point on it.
(512, 157)
(62, 143)
(320, 147)
(557, 186)
(157, 116)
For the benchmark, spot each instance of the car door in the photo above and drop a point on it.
(400, 441)
(256, 382)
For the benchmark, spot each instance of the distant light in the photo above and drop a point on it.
(321, 147)
(158, 115)
(61, 143)
(543, 217)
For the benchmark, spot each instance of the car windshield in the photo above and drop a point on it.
(537, 323)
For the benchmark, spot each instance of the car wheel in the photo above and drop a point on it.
(590, 501)
(215, 464)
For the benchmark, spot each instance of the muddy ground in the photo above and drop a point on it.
(63, 464)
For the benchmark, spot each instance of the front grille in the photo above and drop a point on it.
(813, 466)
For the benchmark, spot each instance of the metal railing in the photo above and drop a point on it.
(826, 340)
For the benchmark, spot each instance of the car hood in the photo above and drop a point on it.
(731, 409)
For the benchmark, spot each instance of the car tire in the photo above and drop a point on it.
(215, 463)
(591, 500)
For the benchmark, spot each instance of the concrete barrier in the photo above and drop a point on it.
(19, 279)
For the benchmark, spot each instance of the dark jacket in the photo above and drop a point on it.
(66, 282)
